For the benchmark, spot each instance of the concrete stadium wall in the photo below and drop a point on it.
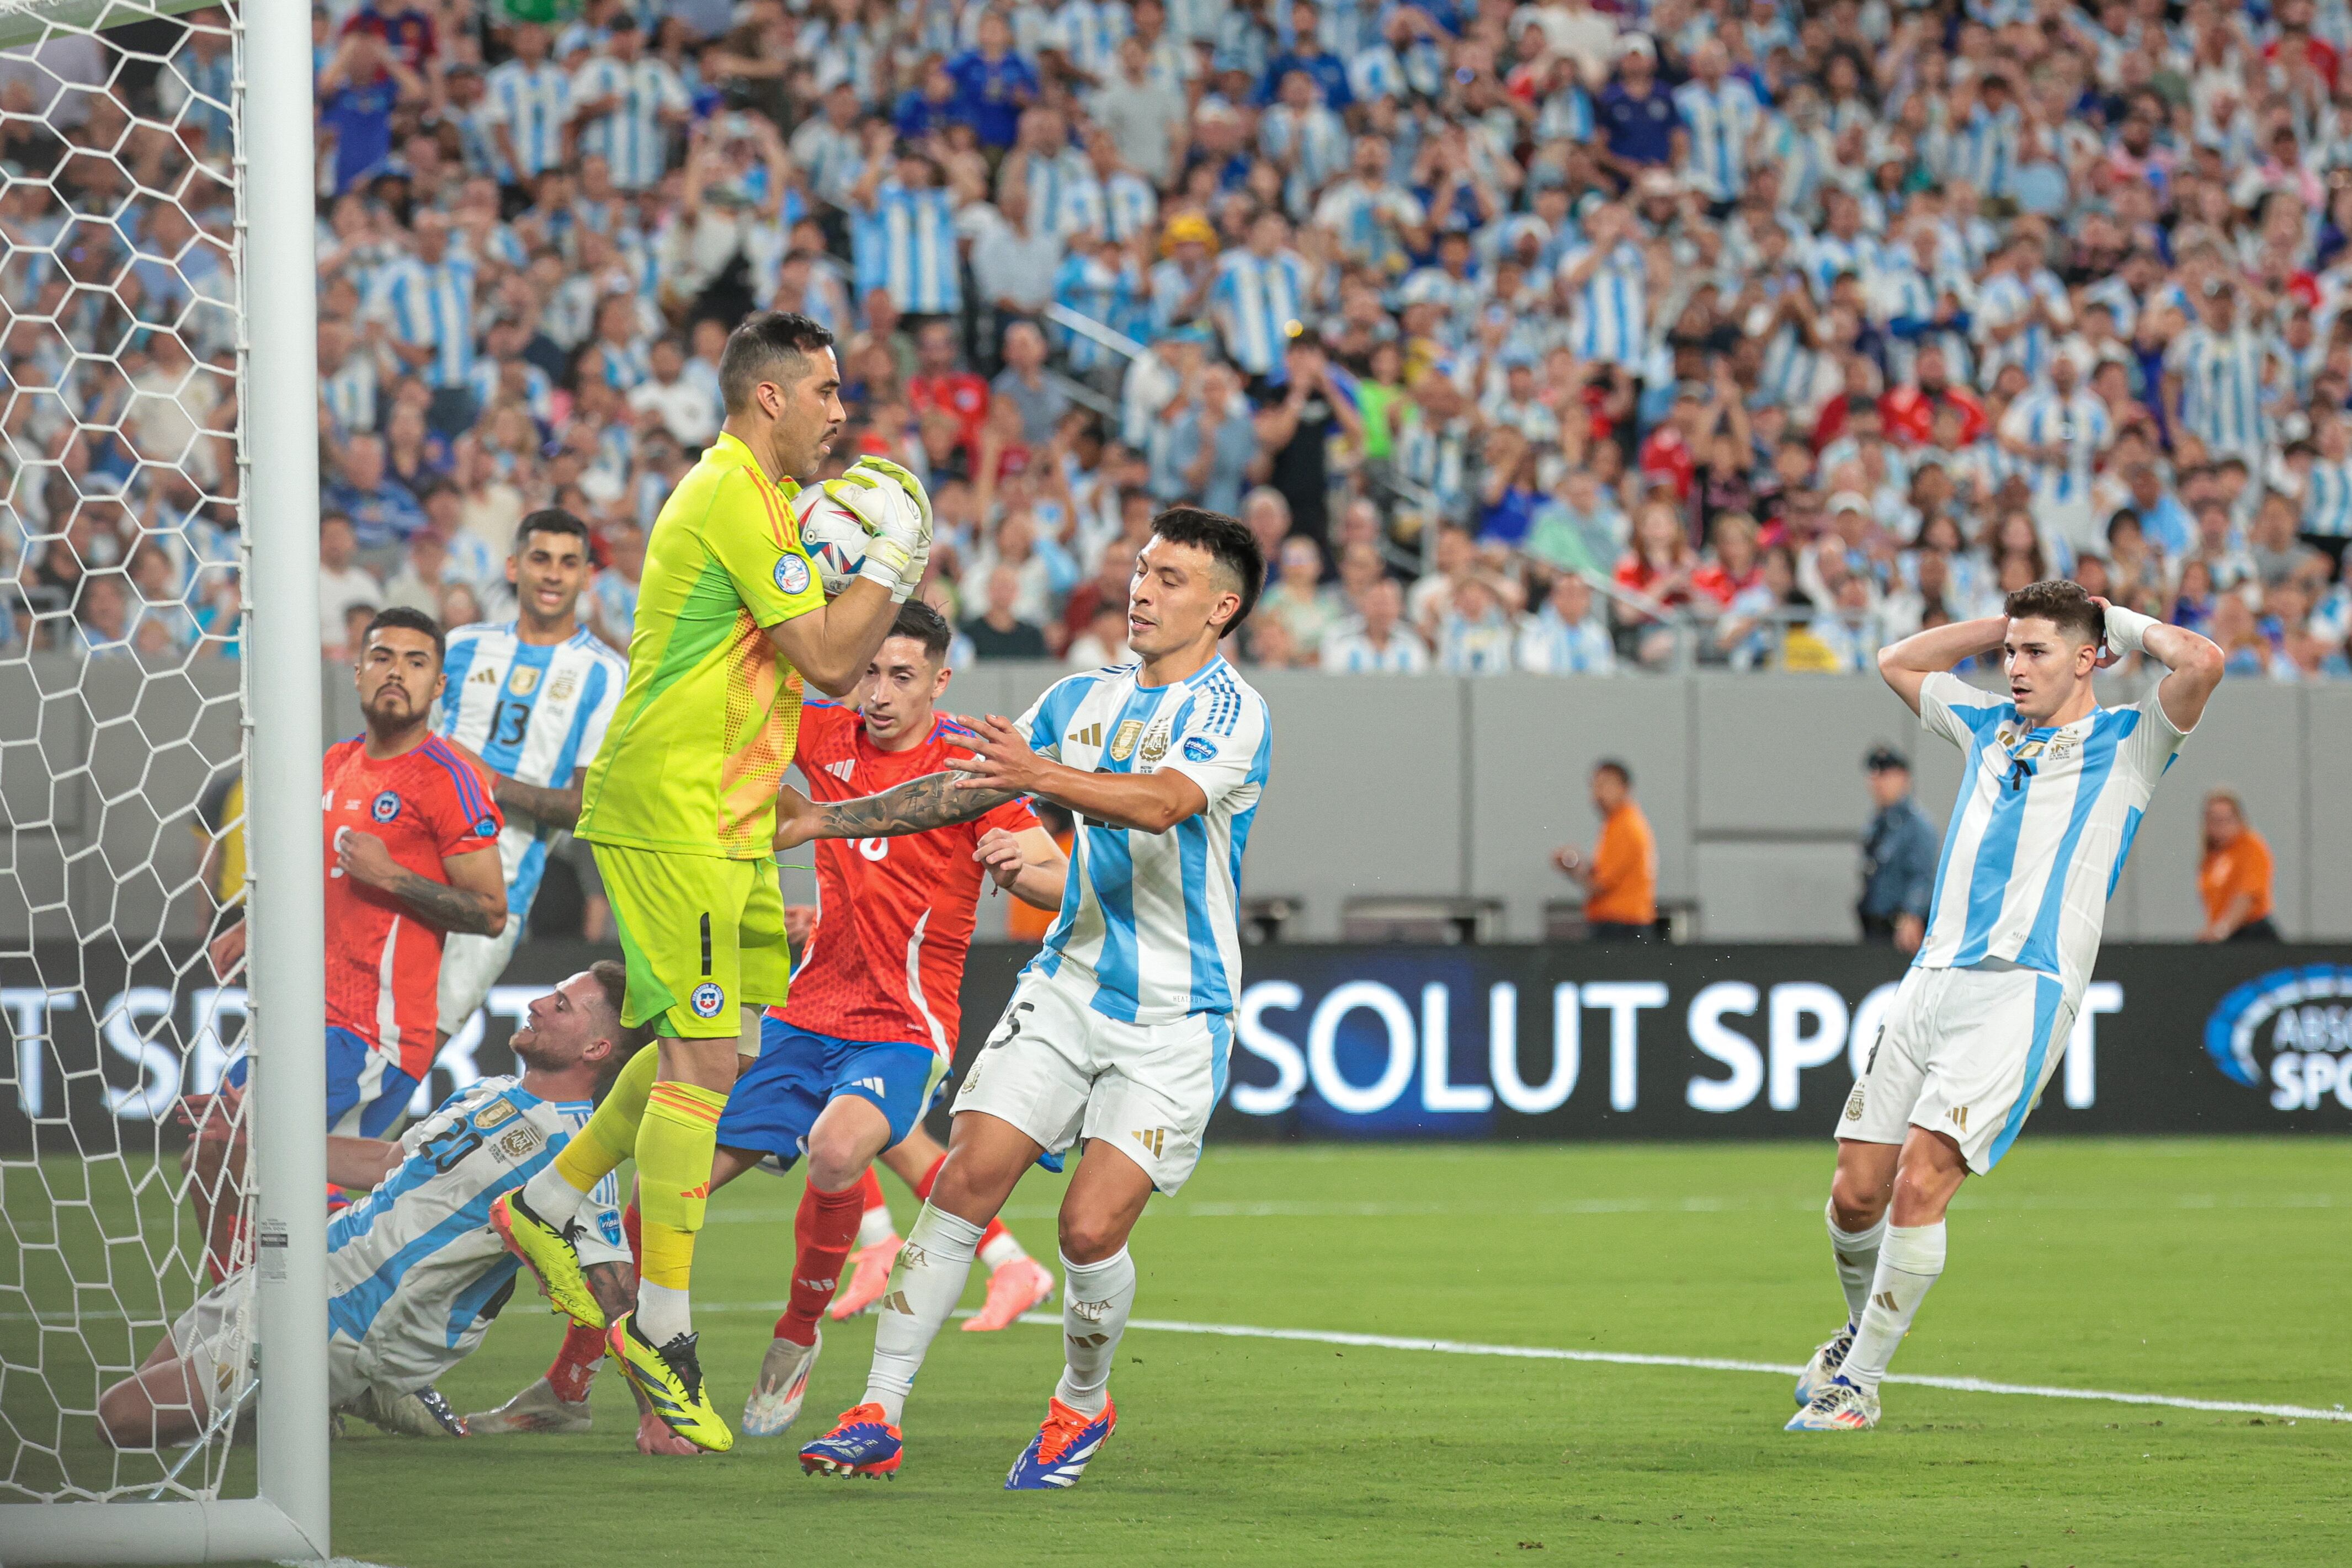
(1430, 785)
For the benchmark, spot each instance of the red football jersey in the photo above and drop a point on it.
(383, 964)
(895, 916)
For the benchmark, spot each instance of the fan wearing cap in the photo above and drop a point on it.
(1898, 856)
(1640, 125)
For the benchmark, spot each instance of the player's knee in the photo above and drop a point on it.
(127, 1417)
(1857, 1201)
(836, 1159)
(1090, 1239)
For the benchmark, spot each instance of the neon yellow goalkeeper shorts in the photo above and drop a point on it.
(701, 936)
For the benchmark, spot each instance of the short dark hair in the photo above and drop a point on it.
(549, 520)
(1229, 541)
(1610, 765)
(764, 338)
(400, 616)
(925, 625)
(612, 979)
(2065, 605)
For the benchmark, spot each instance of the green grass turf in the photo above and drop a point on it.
(2208, 1269)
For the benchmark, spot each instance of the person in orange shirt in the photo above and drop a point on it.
(2235, 877)
(1621, 878)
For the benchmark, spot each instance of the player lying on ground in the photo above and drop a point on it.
(527, 700)
(680, 806)
(2051, 794)
(848, 1067)
(412, 857)
(1118, 1030)
(409, 1294)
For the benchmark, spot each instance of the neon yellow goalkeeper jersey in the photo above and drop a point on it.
(708, 719)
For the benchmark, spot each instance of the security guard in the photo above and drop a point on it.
(1898, 856)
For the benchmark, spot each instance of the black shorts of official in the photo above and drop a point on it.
(1617, 931)
(2257, 931)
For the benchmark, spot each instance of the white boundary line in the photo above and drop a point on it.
(1629, 1358)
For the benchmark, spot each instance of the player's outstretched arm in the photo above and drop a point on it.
(474, 899)
(358, 1164)
(2194, 663)
(1906, 665)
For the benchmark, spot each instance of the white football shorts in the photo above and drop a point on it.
(1061, 1071)
(470, 966)
(215, 1335)
(1964, 1053)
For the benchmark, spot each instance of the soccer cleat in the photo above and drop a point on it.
(776, 1398)
(870, 1276)
(537, 1408)
(862, 1443)
(670, 1377)
(1013, 1289)
(1056, 1457)
(421, 1414)
(549, 1253)
(1828, 1357)
(1840, 1406)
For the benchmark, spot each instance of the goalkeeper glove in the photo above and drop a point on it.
(897, 537)
(903, 478)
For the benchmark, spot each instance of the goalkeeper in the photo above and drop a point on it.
(680, 806)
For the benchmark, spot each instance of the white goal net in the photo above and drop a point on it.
(132, 678)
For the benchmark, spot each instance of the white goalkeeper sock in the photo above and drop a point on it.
(925, 1283)
(1096, 1299)
(663, 1312)
(552, 1197)
(1909, 1262)
(1856, 1253)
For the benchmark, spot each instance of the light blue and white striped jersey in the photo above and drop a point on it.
(1984, 151)
(1548, 646)
(2220, 388)
(1348, 652)
(906, 242)
(200, 91)
(1255, 299)
(1611, 310)
(533, 103)
(414, 1272)
(1054, 182)
(2044, 819)
(535, 712)
(2327, 499)
(1367, 219)
(631, 138)
(349, 392)
(1089, 32)
(1111, 294)
(433, 304)
(1154, 919)
(1720, 120)
(2079, 423)
(2010, 299)
(1311, 148)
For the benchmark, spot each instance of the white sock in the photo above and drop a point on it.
(1856, 1253)
(663, 1313)
(873, 1226)
(1096, 1299)
(1000, 1251)
(1909, 1262)
(552, 1196)
(925, 1283)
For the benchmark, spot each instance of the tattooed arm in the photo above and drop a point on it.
(1004, 769)
(473, 900)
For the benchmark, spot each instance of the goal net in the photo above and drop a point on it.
(158, 645)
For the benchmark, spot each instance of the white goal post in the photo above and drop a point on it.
(278, 637)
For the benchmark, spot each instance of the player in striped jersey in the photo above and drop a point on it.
(2052, 792)
(529, 700)
(415, 1273)
(1118, 1030)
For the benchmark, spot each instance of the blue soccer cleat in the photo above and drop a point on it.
(1056, 1457)
(862, 1443)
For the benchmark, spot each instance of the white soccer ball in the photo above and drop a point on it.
(834, 535)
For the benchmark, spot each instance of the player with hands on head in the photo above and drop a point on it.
(2053, 791)
(1118, 1030)
(680, 806)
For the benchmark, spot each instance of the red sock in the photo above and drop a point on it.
(869, 1191)
(575, 1364)
(823, 1231)
(923, 1190)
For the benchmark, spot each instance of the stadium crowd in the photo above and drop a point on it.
(1557, 337)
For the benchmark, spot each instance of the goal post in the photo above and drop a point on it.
(278, 645)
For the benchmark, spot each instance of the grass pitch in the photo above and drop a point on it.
(2211, 1270)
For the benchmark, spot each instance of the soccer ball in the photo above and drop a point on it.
(834, 535)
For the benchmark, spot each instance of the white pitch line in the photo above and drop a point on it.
(1629, 1358)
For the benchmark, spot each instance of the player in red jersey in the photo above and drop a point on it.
(412, 855)
(848, 1065)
